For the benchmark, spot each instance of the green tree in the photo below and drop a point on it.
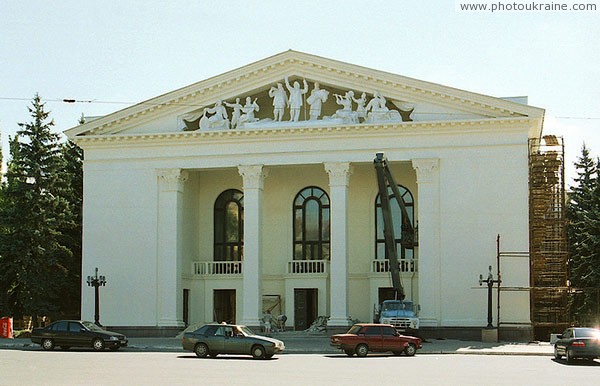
(583, 213)
(35, 262)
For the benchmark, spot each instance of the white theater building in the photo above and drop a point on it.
(255, 190)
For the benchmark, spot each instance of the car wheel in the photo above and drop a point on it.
(362, 350)
(349, 352)
(410, 350)
(569, 355)
(48, 344)
(201, 350)
(258, 352)
(556, 354)
(98, 344)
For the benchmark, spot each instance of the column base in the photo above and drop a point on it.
(171, 323)
(251, 322)
(339, 322)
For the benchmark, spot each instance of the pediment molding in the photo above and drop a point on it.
(259, 75)
(434, 128)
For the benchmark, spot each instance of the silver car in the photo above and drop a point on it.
(214, 339)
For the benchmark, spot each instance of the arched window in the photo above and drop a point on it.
(229, 226)
(311, 224)
(380, 252)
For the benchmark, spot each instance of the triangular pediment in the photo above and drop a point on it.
(348, 94)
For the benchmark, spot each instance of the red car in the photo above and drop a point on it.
(363, 338)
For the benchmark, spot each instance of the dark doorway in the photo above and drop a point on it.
(305, 307)
(386, 293)
(224, 305)
(186, 307)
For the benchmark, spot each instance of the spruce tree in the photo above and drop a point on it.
(34, 260)
(583, 211)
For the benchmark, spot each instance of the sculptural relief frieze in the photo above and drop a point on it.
(297, 104)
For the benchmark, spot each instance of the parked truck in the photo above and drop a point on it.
(401, 314)
(398, 312)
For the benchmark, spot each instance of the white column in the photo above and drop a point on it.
(253, 179)
(169, 259)
(428, 204)
(339, 175)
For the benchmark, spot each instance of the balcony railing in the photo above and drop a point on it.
(406, 266)
(217, 267)
(307, 267)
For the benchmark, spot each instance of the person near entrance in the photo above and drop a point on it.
(267, 323)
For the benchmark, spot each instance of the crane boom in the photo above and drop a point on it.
(385, 179)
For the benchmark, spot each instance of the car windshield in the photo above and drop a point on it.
(246, 331)
(91, 326)
(354, 329)
(397, 306)
(586, 333)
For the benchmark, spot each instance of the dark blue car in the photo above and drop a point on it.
(77, 333)
(578, 342)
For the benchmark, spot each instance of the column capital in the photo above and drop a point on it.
(253, 176)
(172, 179)
(427, 169)
(339, 173)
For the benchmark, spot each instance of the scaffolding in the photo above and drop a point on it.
(548, 250)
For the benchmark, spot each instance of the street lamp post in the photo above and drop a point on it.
(490, 284)
(96, 281)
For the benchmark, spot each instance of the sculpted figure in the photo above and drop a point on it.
(346, 112)
(377, 111)
(316, 99)
(248, 111)
(295, 101)
(219, 118)
(237, 112)
(279, 101)
(360, 106)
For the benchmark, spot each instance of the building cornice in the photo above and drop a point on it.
(457, 127)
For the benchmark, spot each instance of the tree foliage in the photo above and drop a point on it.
(40, 221)
(583, 212)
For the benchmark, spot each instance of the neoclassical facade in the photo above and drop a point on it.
(255, 191)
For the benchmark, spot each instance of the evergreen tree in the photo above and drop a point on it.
(583, 212)
(73, 228)
(35, 262)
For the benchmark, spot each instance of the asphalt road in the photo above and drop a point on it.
(83, 367)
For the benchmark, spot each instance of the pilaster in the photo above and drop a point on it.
(253, 184)
(339, 177)
(169, 243)
(428, 206)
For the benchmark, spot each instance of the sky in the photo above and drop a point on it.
(110, 54)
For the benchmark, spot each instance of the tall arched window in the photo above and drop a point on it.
(229, 226)
(380, 252)
(311, 224)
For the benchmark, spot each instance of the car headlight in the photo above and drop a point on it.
(114, 338)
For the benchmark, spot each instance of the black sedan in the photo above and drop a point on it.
(214, 339)
(76, 333)
(578, 342)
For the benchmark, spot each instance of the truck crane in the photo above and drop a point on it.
(398, 312)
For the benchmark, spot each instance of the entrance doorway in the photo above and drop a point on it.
(186, 307)
(305, 307)
(386, 293)
(224, 305)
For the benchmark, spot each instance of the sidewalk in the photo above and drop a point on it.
(303, 343)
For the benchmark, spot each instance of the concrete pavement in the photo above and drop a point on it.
(306, 343)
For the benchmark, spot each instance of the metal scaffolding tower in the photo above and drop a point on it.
(548, 250)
